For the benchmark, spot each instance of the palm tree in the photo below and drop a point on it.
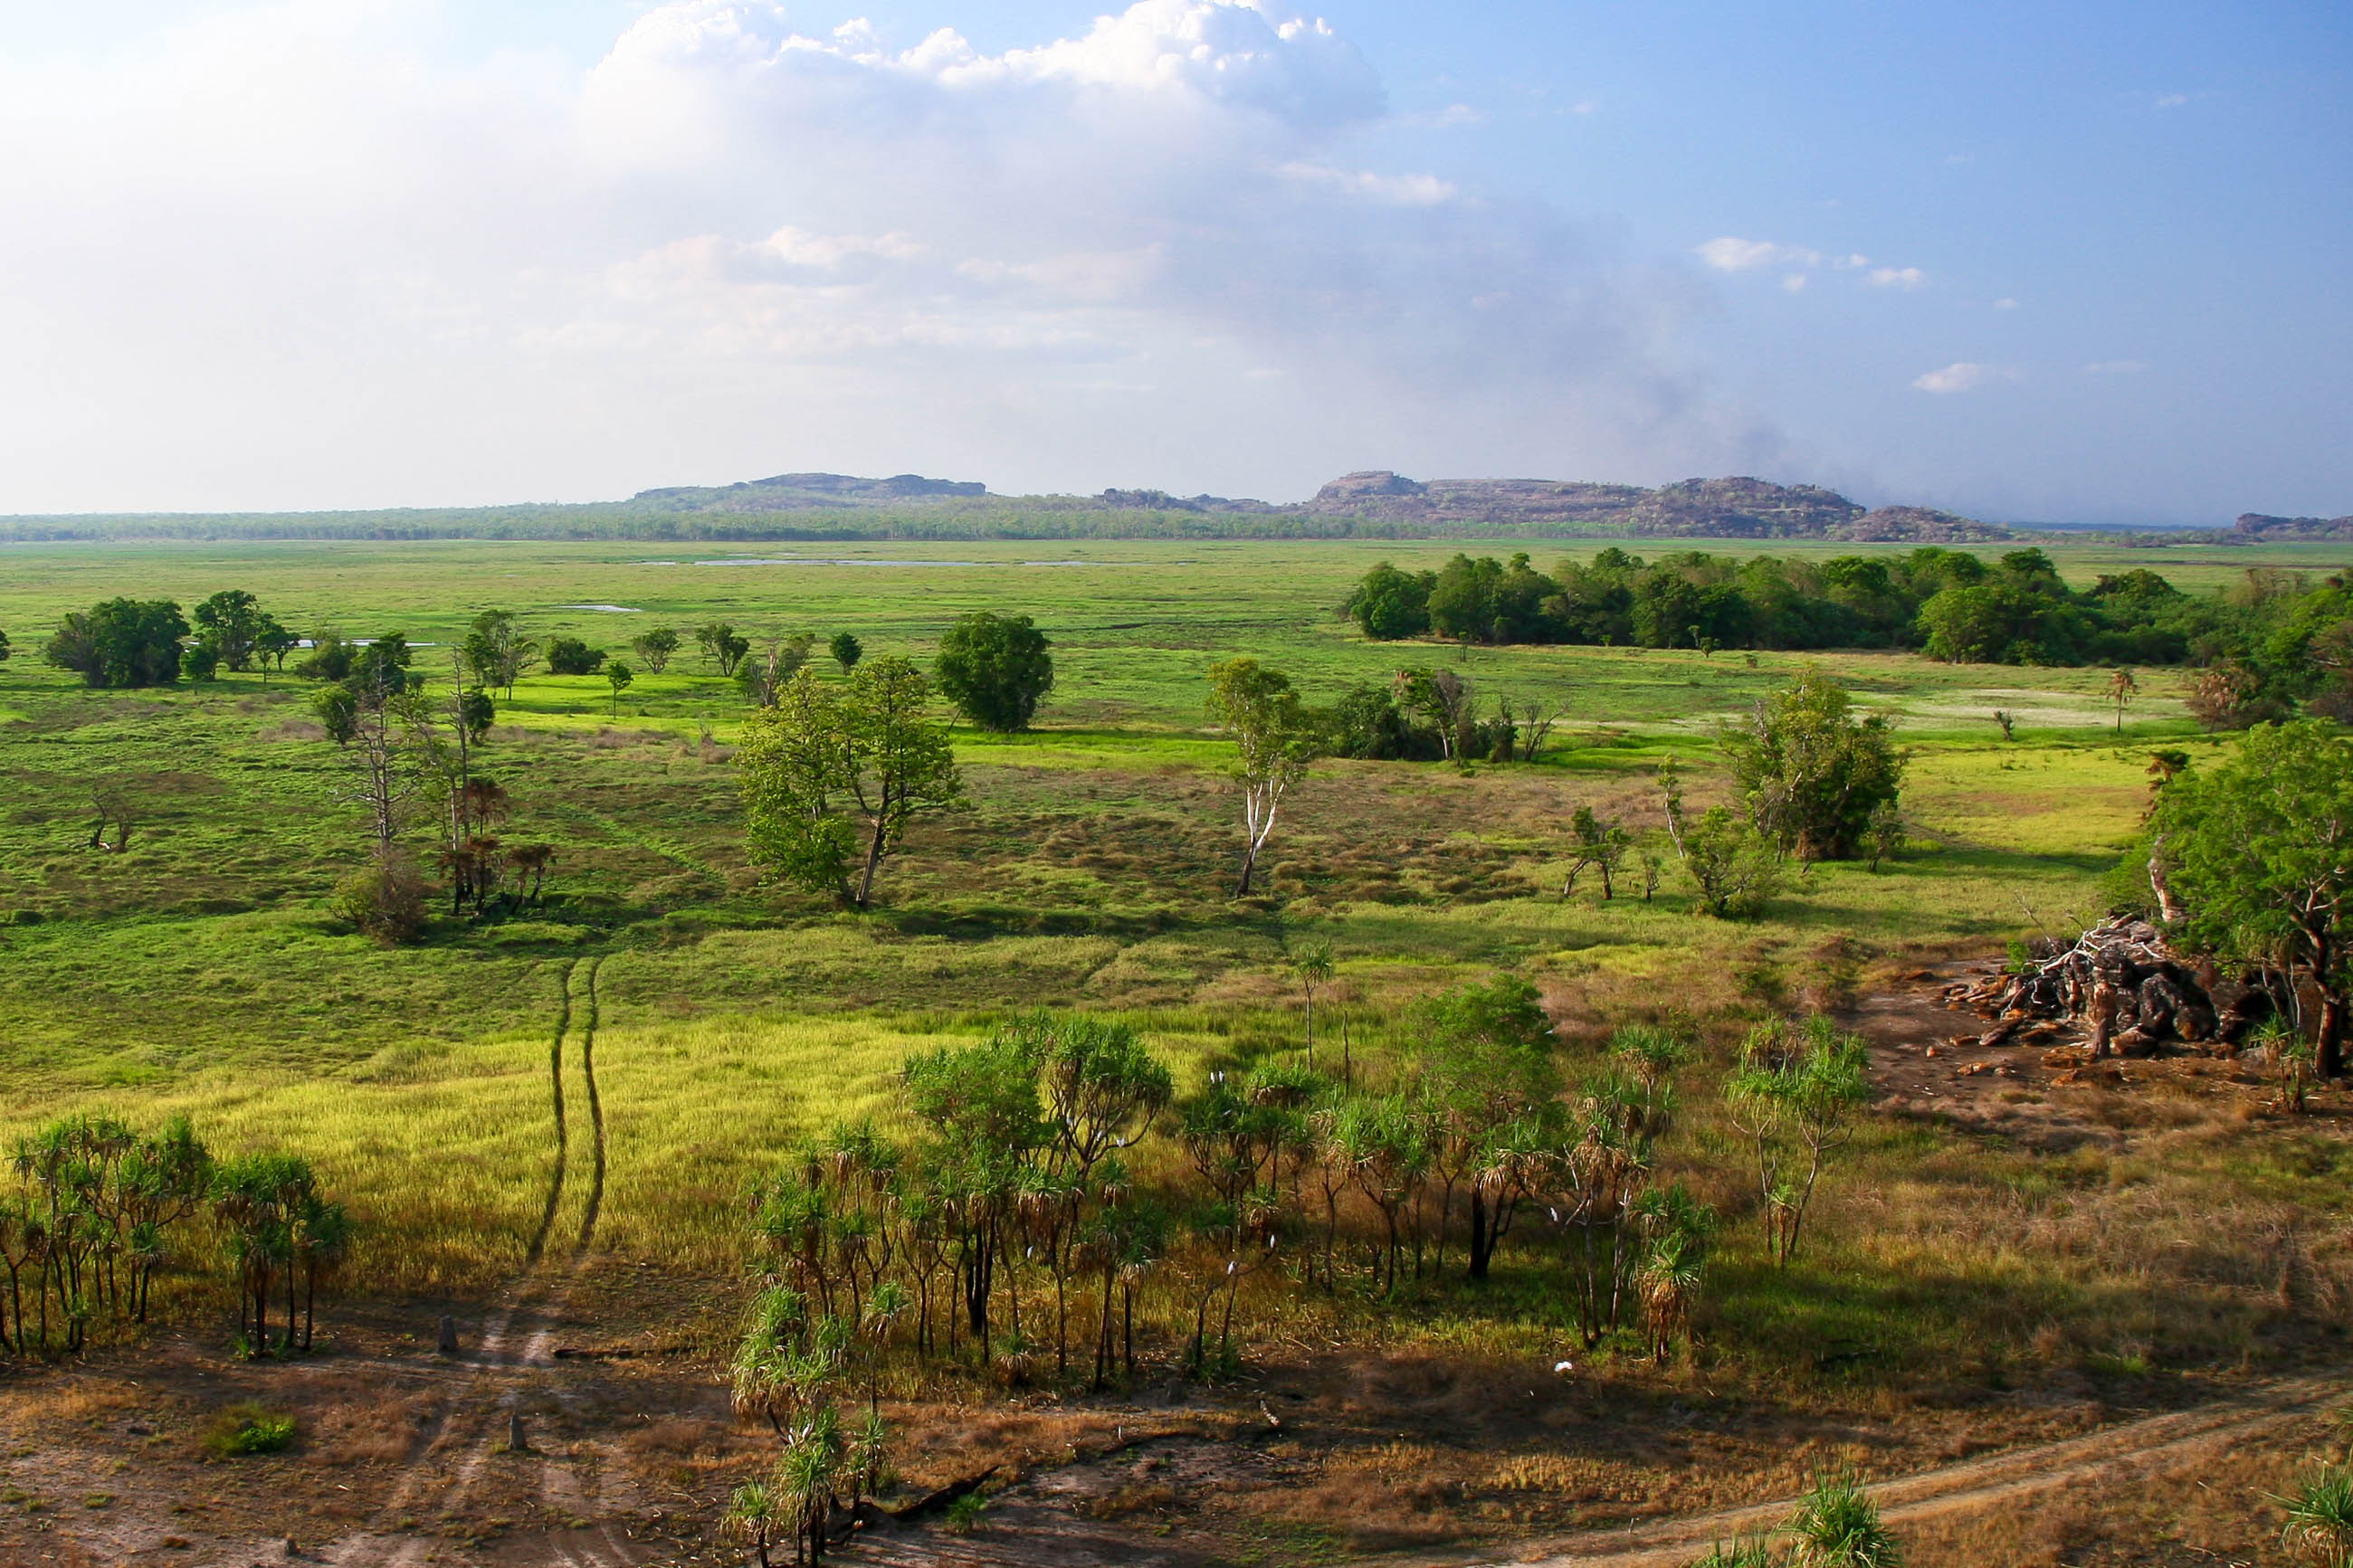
(2121, 686)
(322, 1242)
(1313, 967)
(752, 1515)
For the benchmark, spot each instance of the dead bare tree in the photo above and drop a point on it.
(114, 811)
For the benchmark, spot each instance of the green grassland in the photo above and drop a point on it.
(204, 971)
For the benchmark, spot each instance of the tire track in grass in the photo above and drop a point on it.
(563, 1139)
(543, 1305)
(595, 1123)
(2010, 1479)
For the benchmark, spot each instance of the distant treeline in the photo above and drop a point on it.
(946, 521)
(2291, 636)
(942, 521)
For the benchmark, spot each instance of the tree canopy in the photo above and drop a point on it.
(2290, 640)
(1811, 772)
(121, 643)
(826, 767)
(995, 668)
(2259, 852)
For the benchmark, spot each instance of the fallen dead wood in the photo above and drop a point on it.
(2126, 985)
(940, 1500)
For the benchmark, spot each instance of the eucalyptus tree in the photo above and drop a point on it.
(1273, 736)
(496, 650)
(825, 770)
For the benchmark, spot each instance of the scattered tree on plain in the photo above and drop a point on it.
(1795, 1097)
(1595, 844)
(722, 647)
(847, 651)
(496, 650)
(1272, 743)
(654, 647)
(121, 643)
(235, 629)
(764, 679)
(570, 655)
(619, 677)
(1735, 869)
(827, 769)
(995, 668)
(1811, 773)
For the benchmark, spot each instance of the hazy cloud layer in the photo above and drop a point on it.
(285, 258)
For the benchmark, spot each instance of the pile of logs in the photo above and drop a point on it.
(2128, 989)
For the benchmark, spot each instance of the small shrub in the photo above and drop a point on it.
(967, 1514)
(248, 1429)
(1740, 1554)
(386, 901)
(1838, 1526)
(2319, 1528)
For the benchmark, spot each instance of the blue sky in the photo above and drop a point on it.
(2063, 261)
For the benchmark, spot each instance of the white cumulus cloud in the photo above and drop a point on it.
(285, 256)
(1964, 375)
(1727, 254)
(1896, 278)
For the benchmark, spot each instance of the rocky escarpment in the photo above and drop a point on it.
(1736, 507)
(2257, 528)
(802, 493)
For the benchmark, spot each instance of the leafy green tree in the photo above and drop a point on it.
(655, 648)
(1595, 844)
(475, 714)
(230, 623)
(257, 1201)
(1273, 740)
(1390, 604)
(1488, 1067)
(1811, 773)
(847, 650)
(817, 760)
(995, 668)
(2259, 853)
(1734, 870)
(722, 647)
(570, 655)
(618, 676)
(496, 650)
(271, 643)
(979, 1106)
(329, 659)
(4, 647)
(121, 643)
(200, 662)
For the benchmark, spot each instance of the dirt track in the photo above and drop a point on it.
(1970, 1486)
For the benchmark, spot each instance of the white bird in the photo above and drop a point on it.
(1564, 1367)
